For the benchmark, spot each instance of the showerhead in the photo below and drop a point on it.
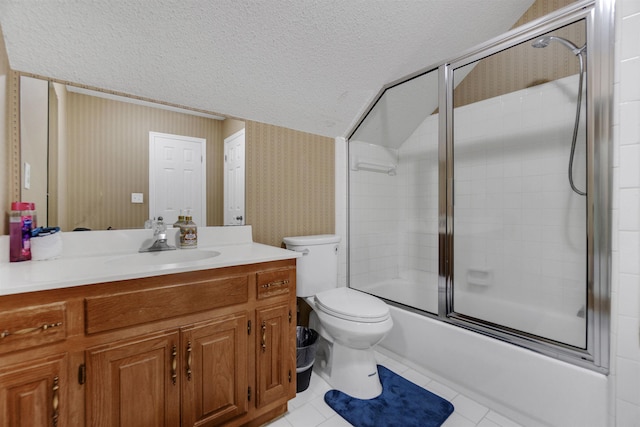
(542, 42)
(545, 40)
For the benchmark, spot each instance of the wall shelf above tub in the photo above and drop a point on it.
(372, 158)
(372, 166)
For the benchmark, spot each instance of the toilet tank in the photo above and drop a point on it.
(317, 269)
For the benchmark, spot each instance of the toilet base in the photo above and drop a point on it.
(351, 371)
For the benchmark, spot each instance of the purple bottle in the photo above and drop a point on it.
(22, 220)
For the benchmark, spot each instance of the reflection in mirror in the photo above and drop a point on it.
(99, 152)
(33, 144)
(393, 192)
(520, 239)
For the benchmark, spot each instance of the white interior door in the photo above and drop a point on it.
(234, 179)
(176, 177)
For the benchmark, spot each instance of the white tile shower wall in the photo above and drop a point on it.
(418, 190)
(626, 223)
(519, 229)
(374, 227)
(394, 227)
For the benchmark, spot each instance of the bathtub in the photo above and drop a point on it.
(530, 388)
(422, 294)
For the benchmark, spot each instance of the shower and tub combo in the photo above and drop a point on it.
(489, 260)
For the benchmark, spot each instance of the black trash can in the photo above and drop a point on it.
(306, 345)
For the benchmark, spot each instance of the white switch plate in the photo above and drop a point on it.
(137, 198)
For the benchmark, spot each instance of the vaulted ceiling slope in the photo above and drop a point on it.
(309, 65)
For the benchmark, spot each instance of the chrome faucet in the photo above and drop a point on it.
(159, 242)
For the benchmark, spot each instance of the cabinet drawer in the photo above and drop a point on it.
(119, 310)
(32, 326)
(273, 283)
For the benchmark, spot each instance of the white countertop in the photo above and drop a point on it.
(91, 257)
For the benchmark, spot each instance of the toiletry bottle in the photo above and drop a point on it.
(179, 221)
(22, 220)
(188, 233)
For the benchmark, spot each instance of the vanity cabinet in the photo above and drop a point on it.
(131, 382)
(32, 393)
(215, 378)
(32, 386)
(274, 376)
(276, 363)
(200, 369)
(205, 348)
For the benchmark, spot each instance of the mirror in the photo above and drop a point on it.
(85, 155)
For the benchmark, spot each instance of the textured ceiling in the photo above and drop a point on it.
(309, 65)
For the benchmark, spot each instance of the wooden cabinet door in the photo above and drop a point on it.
(32, 394)
(134, 382)
(273, 350)
(215, 365)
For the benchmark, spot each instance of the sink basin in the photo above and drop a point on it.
(163, 257)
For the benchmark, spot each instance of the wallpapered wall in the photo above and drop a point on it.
(290, 178)
(4, 137)
(522, 66)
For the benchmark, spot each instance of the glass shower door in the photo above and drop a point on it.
(393, 196)
(519, 194)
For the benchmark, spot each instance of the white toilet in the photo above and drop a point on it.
(349, 322)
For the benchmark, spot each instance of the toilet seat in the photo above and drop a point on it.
(352, 305)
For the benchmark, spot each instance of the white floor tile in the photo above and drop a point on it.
(280, 422)
(488, 423)
(322, 407)
(335, 421)
(416, 377)
(501, 420)
(469, 408)
(441, 390)
(309, 409)
(299, 401)
(306, 415)
(456, 420)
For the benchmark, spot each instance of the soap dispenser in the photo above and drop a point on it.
(179, 221)
(188, 233)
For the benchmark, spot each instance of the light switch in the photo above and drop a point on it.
(27, 175)
(137, 198)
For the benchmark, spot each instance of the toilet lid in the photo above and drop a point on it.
(353, 305)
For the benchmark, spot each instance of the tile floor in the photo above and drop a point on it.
(308, 409)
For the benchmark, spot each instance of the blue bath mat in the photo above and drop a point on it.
(401, 404)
